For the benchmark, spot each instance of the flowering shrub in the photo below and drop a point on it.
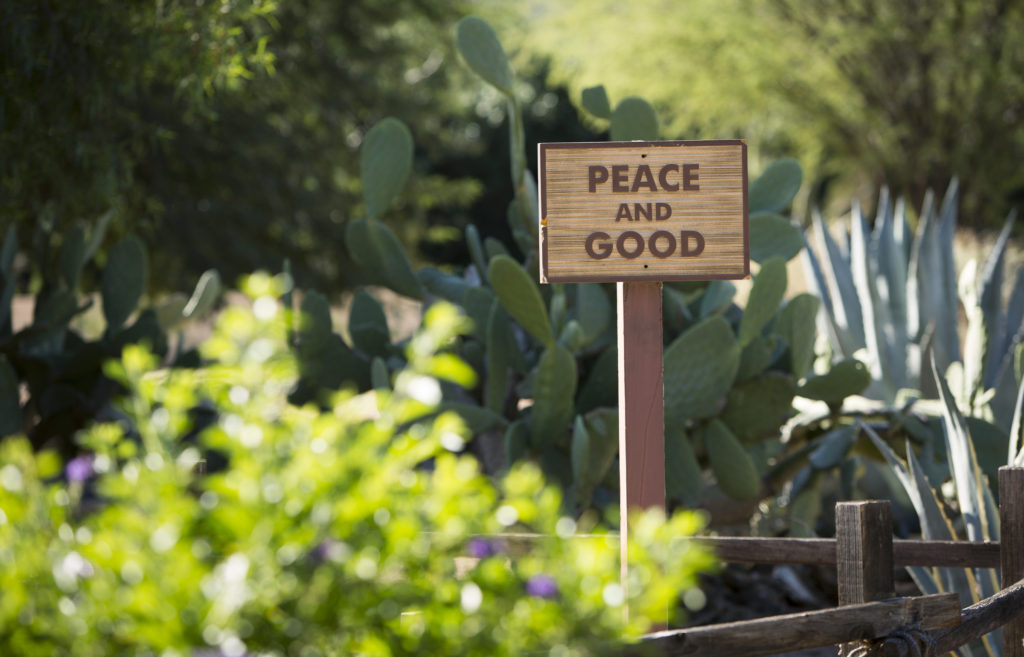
(313, 532)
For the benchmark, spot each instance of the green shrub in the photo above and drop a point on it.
(315, 532)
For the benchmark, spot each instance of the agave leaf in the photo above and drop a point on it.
(595, 101)
(891, 273)
(634, 119)
(775, 188)
(833, 447)
(772, 235)
(521, 298)
(483, 53)
(699, 369)
(124, 281)
(375, 248)
(765, 296)
(846, 305)
(1016, 453)
(838, 336)
(874, 311)
(990, 293)
(554, 392)
(385, 161)
(963, 463)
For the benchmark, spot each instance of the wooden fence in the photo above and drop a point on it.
(869, 620)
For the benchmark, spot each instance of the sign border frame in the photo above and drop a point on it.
(542, 147)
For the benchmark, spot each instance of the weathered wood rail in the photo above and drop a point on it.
(869, 621)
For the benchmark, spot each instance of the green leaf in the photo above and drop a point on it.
(205, 295)
(517, 441)
(9, 250)
(10, 405)
(71, 255)
(493, 247)
(593, 310)
(847, 377)
(601, 387)
(375, 248)
(700, 367)
(775, 188)
(124, 281)
(595, 442)
(683, 479)
(521, 298)
(368, 325)
(483, 53)
(796, 324)
(833, 447)
(734, 469)
(500, 345)
(634, 118)
(380, 377)
(595, 101)
(765, 296)
(478, 419)
(315, 325)
(716, 297)
(476, 251)
(773, 236)
(169, 312)
(757, 408)
(757, 356)
(554, 393)
(443, 285)
(385, 160)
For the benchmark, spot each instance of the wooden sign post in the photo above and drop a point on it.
(636, 214)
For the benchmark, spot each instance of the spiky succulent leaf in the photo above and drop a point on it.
(832, 448)
(476, 250)
(500, 345)
(443, 285)
(521, 298)
(517, 441)
(700, 367)
(757, 356)
(595, 442)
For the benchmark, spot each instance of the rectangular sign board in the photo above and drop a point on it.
(643, 210)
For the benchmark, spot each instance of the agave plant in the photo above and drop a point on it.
(889, 294)
(973, 497)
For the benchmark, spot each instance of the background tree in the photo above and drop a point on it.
(865, 92)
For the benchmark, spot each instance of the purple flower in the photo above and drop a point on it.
(542, 586)
(481, 548)
(79, 468)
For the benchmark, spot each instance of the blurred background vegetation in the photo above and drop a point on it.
(226, 133)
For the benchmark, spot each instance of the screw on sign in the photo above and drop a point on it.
(636, 214)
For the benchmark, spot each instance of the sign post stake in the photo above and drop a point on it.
(641, 402)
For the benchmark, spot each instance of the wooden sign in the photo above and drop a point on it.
(643, 210)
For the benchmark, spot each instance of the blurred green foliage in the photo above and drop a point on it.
(902, 93)
(315, 532)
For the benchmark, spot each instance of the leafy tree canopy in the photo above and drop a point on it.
(865, 92)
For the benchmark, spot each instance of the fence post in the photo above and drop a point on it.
(1011, 548)
(863, 554)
